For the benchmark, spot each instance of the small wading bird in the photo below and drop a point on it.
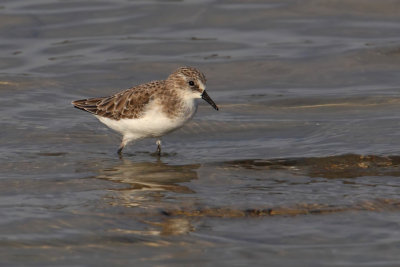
(152, 109)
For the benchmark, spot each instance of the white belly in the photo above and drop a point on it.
(154, 123)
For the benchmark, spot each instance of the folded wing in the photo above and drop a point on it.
(128, 104)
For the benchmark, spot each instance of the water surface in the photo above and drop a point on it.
(299, 167)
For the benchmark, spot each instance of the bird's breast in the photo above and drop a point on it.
(177, 108)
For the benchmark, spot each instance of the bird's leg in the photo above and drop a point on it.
(121, 147)
(158, 147)
(124, 141)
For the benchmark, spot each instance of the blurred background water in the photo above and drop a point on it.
(300, 167)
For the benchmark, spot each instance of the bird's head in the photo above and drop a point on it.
(192, 83)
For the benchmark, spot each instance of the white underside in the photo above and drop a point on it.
(154, 123)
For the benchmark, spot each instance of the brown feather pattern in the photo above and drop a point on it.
(131, 103)
(127, 104)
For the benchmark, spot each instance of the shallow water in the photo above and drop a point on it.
(300, 166)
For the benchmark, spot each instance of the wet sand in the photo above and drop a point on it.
(300, 166)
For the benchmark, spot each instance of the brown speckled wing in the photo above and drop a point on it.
(127, 104)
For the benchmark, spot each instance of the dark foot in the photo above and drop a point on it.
(158, 152)
(120, 151)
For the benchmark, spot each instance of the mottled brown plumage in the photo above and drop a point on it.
(131, 103)
(128, 104)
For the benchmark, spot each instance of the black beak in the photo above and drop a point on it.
(207, 98)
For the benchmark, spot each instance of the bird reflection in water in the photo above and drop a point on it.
(151, 188)
(151, 176)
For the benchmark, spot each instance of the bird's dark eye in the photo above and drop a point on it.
(191, 83)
